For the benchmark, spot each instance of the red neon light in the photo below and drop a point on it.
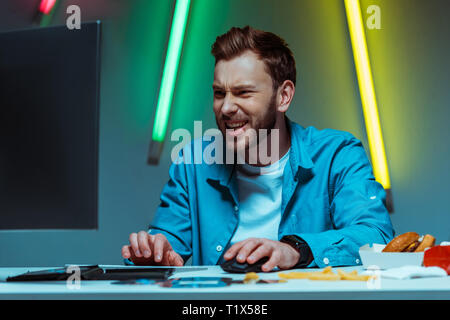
(46, 6)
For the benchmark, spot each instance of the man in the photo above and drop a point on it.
(312, 205)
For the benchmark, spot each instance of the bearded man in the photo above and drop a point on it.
(313, 204)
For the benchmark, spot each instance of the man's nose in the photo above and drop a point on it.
(229, 104)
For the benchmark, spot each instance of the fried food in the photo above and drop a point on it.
(327, 270)
(353, 276)
(410, 242)
(427, 242)
(326, 274)
(295, 275)
(401, 242)
(250, 277)
(412, 247)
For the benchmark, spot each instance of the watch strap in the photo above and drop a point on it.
(302, 248)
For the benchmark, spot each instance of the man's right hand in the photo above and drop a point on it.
(147, 249)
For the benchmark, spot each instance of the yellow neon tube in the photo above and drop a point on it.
(367, 92)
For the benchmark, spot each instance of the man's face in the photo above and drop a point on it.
(243, 99)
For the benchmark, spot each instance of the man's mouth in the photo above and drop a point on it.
(235, 128)
(235, 125)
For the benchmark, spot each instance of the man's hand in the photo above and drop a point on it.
(147, 249)
(251, 250)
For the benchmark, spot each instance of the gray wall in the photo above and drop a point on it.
(409, 56)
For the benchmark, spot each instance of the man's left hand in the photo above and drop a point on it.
(251, 250)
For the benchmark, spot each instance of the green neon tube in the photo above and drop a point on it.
(170, 69)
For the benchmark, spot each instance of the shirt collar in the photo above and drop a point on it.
(298, 158)
(299, 155)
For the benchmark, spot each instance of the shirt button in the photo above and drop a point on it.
(357, 260)
(326, 261)
(236, 208)
(219, 248)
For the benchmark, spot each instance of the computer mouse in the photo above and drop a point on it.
(233, 266)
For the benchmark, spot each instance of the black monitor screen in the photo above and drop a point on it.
(49, 99)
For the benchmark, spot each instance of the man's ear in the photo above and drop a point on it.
(285, 95)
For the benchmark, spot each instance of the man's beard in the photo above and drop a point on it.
(268, 123)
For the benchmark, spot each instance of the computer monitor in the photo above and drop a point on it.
(49, 120)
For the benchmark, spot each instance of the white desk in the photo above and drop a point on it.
(426, 288)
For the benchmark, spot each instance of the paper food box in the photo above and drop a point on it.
(373, 258)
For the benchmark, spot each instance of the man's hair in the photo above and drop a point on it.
(270, 48)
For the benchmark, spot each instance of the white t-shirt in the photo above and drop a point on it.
(260, 190)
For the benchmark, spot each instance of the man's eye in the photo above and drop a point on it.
(219, 94)
(243, 92)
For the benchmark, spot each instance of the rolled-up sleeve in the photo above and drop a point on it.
(357, 208)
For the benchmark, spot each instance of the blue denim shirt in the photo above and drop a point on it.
(330, 199)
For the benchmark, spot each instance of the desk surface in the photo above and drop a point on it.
(423, 288)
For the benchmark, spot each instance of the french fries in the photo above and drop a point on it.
(353, 276)
(326, 274)
(251, 277)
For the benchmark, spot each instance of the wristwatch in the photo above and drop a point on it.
(302, 247)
